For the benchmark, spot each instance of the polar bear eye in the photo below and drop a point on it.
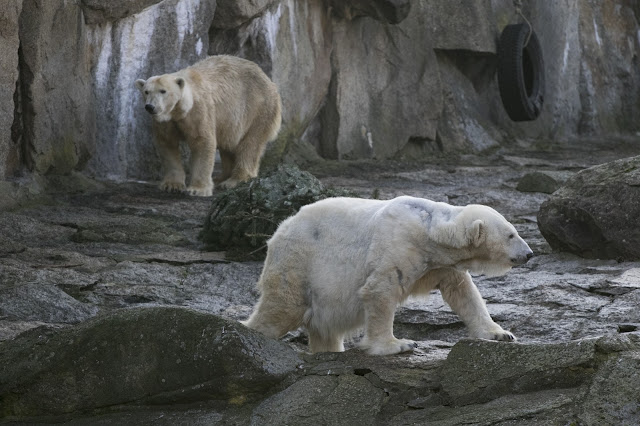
(512, 236)
(163, 91)
(146, 92)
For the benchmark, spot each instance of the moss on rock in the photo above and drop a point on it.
(241, 220)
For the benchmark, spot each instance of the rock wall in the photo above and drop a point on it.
(359, 79)
(9, 42)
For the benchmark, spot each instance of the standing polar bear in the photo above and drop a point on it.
(221, 102)
(345, 263)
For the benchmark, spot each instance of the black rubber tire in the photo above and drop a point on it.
(520, 73)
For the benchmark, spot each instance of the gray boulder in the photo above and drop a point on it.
(595, 214)
(546, 182)
(482, 371)
(614, 395)
(148, 355)
(344, 400)
(582, 382)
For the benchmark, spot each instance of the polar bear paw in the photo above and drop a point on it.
(495, 334)
(229, 183)
(172, 186)
(389, 347)
(504, 335)
(200, 191)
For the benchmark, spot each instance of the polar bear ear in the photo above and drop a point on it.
(476, 233)
(180, 82)
(140, 84)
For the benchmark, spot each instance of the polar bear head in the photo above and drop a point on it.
(166, 96)
(493, 242)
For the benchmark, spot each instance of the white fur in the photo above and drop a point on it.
(346, 263)
(221, 102)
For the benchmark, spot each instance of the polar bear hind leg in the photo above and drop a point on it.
(281, 306)
(247, 155)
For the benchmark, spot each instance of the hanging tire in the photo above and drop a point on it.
(520, 73)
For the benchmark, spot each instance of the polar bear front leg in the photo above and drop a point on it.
(462, 295)
(379, 300)
(168, 147)
(202, 161)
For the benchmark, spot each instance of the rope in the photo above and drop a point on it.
(517, 4)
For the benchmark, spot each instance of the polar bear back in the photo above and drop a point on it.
(339, 240)
(239, 93)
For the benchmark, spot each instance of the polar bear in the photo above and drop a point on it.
(221, 102)
(342, 264)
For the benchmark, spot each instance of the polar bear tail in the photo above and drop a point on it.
(270, 327)
(281, 307)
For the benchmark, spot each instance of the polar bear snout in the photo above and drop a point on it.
(150, 109)
(521, 253)
(518, 251)
(522, 258)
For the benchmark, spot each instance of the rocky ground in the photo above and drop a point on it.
(70, 259)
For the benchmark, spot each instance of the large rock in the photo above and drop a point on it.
(595, 214)
(482, 371)
(385, 90)
(346, 399)
(9, 71)
(57, 112)
(465, 123)
(582, 382)
(472, 117)
(148, 356)
(542, 181)
(615, 392)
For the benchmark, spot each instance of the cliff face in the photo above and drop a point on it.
(359, 79)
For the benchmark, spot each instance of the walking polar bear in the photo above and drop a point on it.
(341, 264)
(221, 102)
